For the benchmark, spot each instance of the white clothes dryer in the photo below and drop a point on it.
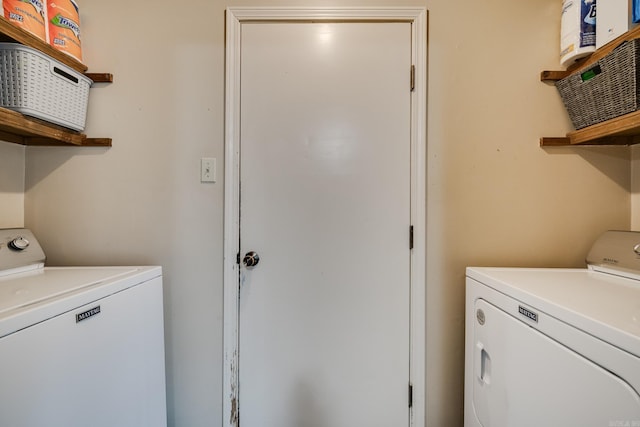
(556, 347)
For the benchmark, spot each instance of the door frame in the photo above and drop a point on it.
(235, 16)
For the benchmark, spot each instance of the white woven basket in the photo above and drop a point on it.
(37, 85)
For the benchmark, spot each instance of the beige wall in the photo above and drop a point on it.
(11, 185)
(494, 196)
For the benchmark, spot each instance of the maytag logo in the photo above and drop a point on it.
(87, 314)
(609, 260)
(528, 313)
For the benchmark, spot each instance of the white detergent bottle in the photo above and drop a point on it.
(578, 30)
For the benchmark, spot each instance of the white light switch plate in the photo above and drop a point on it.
(208, 169)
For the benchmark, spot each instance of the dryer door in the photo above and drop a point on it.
(524, 378)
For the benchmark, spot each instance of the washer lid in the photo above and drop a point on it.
(25, 289)
(604, 305)
(32, 297)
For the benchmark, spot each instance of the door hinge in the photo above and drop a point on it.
(413, 77)
(411, 237)
(238, 258)
(410, 395)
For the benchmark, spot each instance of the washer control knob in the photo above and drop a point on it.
(636, 249)
(19, 244)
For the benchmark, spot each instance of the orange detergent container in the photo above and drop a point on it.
(30, 15)
(64, 27)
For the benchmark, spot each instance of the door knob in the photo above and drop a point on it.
(251, 259)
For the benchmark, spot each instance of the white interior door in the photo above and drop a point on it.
(325, 201)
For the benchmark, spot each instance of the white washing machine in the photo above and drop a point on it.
(556, 347)
(78, 346)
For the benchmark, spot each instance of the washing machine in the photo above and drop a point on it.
(79, 346)
(556, 347)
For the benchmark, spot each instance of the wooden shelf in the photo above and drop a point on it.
(623, 130)
(100, 77)
(553, 76)
(24, 130)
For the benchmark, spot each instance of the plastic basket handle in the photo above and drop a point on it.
(65, 75)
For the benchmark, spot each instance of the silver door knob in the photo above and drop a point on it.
(251, 259)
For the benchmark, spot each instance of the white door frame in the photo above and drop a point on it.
(235, 16)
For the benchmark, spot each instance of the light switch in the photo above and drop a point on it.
(208, 169)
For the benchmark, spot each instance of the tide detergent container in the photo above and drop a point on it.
(578, 30)
(64, 27)
(30, 15)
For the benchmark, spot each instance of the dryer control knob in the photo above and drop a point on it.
(19, 244)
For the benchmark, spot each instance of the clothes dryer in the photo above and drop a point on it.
(556, 347)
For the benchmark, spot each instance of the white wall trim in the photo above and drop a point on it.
(231, 220)
(419, 219)
(635, 187)
(234, 19)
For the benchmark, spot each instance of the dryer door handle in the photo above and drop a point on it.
(482, 366)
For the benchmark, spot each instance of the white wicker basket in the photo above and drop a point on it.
(37, 85)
